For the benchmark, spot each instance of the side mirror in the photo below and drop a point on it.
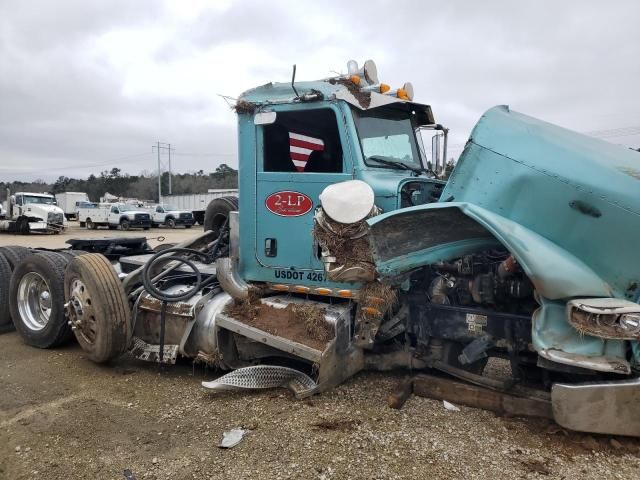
(264, 118)
(12, 199)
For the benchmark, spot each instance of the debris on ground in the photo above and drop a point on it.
(232, 438)
(450, 406)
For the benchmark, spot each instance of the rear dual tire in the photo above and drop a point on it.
(5, 278)
(98, 307)
(36, 300)
(10, 257)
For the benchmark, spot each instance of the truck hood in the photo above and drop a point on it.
(135, 212)
(40, 209)
(409, 238)
(579, 193)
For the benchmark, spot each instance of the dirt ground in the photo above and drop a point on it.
(63, 417)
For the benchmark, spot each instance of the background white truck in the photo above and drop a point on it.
(169, 216)
(114, 215)
(70, 202)
(197, 203)
(27, 212)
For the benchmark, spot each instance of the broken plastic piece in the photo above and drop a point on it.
(347, 202)
(265, 376)
(231, 438)
(450, 406)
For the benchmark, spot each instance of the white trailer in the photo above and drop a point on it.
(197, 202)
(69, 202)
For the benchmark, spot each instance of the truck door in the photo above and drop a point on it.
(113, 217)
(299, 154)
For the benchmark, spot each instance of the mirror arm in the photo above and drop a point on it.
(444, 150)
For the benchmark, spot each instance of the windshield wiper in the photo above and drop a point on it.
(396, 164)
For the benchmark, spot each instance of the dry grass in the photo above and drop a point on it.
(312, 316)
(348, 251)
(378, 295)
(242, 106)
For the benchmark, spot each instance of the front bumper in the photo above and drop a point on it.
(140, 223)
(611, 408)
(46, 227)
(184, 221)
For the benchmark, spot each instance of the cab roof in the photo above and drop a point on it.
(319, 90)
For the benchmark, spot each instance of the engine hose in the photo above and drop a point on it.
(169, 255)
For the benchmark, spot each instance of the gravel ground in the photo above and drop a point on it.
(62, 417)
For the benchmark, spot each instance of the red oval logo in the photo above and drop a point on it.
(288, 204)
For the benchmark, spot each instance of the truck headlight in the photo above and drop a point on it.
(605, 317)
(631, 323)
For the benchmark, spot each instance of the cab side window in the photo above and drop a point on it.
(303, 142)
(115, 210)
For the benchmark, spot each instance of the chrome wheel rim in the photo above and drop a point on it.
(81, 312)
(34, 301)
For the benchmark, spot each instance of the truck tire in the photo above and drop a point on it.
(22, 226)
(170, 222)
(15, 254)
(71, 254)
(125, 224)
(5, 278)
(36, 300)
(91, 225)
(98, 307)
(218, 211)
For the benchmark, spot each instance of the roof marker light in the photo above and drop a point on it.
(368, 72)
(406, 92)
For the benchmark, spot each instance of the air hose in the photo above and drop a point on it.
(175, 254)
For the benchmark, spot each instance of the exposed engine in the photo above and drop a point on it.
(489, 279)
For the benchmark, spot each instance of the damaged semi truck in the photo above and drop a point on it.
(347, 250)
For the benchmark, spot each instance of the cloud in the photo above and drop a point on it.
(90, 85)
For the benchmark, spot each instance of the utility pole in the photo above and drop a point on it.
(162, 146)
(169, 168)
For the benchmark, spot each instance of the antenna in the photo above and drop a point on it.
(293, 79)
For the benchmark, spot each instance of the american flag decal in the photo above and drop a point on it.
(301, 146)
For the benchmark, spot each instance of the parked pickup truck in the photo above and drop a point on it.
(114, 215)
(170, 216)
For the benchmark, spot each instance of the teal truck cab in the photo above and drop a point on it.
(347, 249)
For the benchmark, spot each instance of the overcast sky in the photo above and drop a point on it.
(87, 85)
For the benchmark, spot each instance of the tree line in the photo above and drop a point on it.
(143, 186)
